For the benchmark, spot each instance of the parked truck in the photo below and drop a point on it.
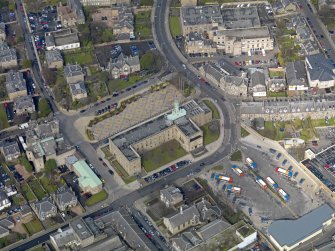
(251, 163)
(237, 170)
(271, 183)
(284, 172)
(224, 178)
(283, 194)
(261, 182)
(233, 189)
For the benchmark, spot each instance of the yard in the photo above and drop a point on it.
(3, 118)
(175, 26)
(122, 173)
(28, 193)
(277, 94)
(18, 199)
(120, 84)
(143, 24)
(162, 155)
(34, 226)
(213, 108)
(38, 189)
(211, 132)
(96, 198)
(79, 56)
(47, 184)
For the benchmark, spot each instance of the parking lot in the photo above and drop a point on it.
(44, 21)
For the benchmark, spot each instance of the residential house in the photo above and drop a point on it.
(88, 181)
(6, 225)
(24, 105)
(77, 8)
(198, 43)
(65, 198)
(276, 84)
(64, 240)
(10, 150)
(15, 84)
(2, 32)
(212, 72)
(62, 40)
(78, 90)
(4, 201)
(257, 82)
(71, 14)
(44, 209)
(122, 22)
(8, 58)
(123, 66)
(73, 73)
(54, 59)
(320, 71)
(187, 240)
(296, 78)
(235, 85)
(171, 196)
(105, 2)
(82, 232)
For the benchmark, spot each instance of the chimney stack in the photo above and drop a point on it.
(181, 210)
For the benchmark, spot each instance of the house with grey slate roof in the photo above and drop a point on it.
(257, 82)
(73, 73)
(78, 90)
(320, 71)
(8, 58)
(54, 59)
(288, 234)
(4, 201)
(296, 77)
(123, 65)
(44, 209)
(15, 84)
(171, 196)
(64, 239)
(6, 225)
(65, 198)
(24, 105)
(10, 150)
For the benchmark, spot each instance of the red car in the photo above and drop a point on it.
(327, 166)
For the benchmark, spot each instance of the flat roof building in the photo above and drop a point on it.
(62, 40)
(88, 181)
(288, 234)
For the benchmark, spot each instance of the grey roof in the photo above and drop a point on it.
(254, 32)
(122, 60)
(237, 81)
(78, 88)
(24, 102)
(81, 229)
(228, 68)
(214, 71)
(6, 53)
(235, 18)
(4, 231)
(72, 70)
(15, 81)
(45, 206)
(290, 232)
(6, 223)
(257, 77)
(65, 196)
(186, 215)
(64, 237)
(296, 73)
(78, 9)
(171, 193)
(125, 18)
(2, 28)
(10, 147)
(125, 139)
(62, 37)
(207, 211)
(44, 147)
(195, 15)
(53, 56)
(320, 68)
(211, 229)
(3, 195)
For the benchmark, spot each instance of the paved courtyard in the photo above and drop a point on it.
(146, 107)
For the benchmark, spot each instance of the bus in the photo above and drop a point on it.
(224, 178)
(284, 172)
(271, 183)
(237, 170)
(283, 194)
(261, 183)
(251, 163)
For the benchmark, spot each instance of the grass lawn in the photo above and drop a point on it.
(236, 156)
(175, 26)
(147, 2)
(27, 192)
(277, 94)
(34, 226)
(162, 155)
(143, 24)
(94, 199)
(244, 133)
(45, 181)
(119, 84)
(276, 74)
(211, 106)
(38, 189)
(18, 199)
(217, 168)
(322, 122)
(80, 56)
(122, 173)
(3, 118)
(209, 135)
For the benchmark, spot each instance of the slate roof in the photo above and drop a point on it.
(289, 232)
(186, 215)
(211, 229)
(15, 81)
(320, 68)
(6, 53)
(296, 73)
(10, 147)
(53, 56)
(214, 71)
(24, 102)
(122, 60)
(78, 88)
(45, 206)
(257, 77)
(72, 70)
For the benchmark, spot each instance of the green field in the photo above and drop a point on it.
(38, 189)
(34, 226)
(175, 26)
(27, 192)
(80, 56)
(162, 155)
(215, 112)
(209, 135)
(277, 94)
(96, 198)
(143, 24)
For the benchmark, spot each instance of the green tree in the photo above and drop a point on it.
(11, 6)
(151, 62)
(44, 108)
(50, 166)
(26, 164)
(280, 58)
(26, 63)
